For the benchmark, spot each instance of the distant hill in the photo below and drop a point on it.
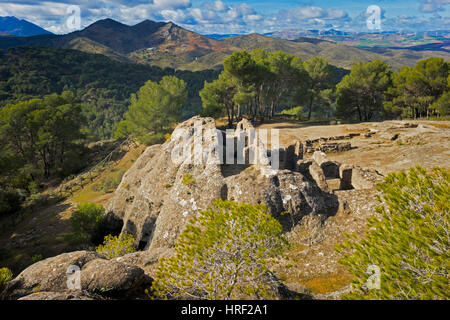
(337, 54)
(168, 45)
(18, 27)
(417, 41)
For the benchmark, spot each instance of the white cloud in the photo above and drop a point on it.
(217, 6)
(215, 16)
(311, 12)
(253, 18)
(431, 6)
(177, 16)
(171, 4)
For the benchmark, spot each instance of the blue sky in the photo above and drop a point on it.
(231, 16)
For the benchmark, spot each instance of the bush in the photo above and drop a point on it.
(36, 258)
(10, 202)
(296, 111)
(222, 254)
(89, 223)
(409, 245)
(117, 246)
(5, 277)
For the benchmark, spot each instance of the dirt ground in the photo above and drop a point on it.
(424, 143)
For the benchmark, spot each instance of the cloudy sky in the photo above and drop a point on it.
(231, 16)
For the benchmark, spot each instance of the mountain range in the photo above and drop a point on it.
(168, 45)
(417, 41)
(19, 27)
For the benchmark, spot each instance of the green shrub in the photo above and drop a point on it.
(409, 245)
(293, 111)
(223, 254)
(5, 277)
(10, 202)
(188, 179)
(36, 258)
(117, 246)
(88, 223)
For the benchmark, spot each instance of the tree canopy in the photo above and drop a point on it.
(102, 85)
(257, 83)
(421, 91)
(223, 254)
(41, 134)
(154, 108)
(361, 93)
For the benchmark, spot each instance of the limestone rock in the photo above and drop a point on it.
(47, 275)
(154, 202)
(319, 157)
(317, 174)
(113, 278)
(365, 178)
(48, 279)
(330, 168)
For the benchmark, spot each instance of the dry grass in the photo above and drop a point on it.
(439, 124)
(327, 283)
(91, 192)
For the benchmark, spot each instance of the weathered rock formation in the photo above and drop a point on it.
(49, 278)
(172, 182)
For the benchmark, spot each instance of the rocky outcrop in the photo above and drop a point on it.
(56, 278)
(171, 183)
(113, 278)
(47, 275)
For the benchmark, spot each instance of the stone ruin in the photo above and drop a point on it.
(330, 144)
(154, 204)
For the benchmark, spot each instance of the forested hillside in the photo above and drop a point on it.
(103, 85)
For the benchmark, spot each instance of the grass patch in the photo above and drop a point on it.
(188, 179)
(328, 283)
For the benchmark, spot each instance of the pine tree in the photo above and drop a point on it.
(409, 245)
(222, 254)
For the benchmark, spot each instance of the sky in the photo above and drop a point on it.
(231, 16)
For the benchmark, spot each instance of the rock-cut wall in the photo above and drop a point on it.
(172, 182)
